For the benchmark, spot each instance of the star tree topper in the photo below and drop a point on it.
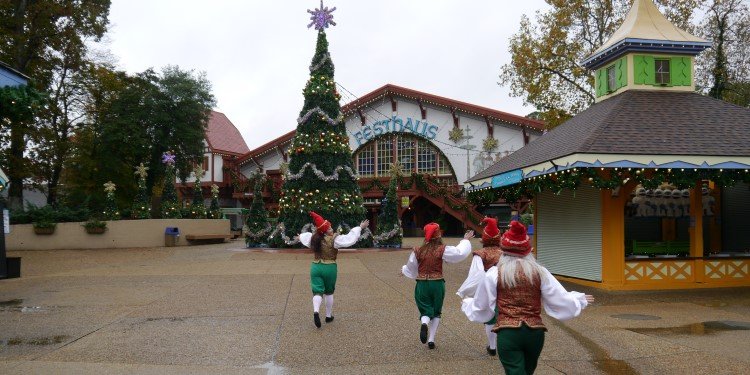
(321, 17)
(141, 171)
(110, 187)
(168, 158)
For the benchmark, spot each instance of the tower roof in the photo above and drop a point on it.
(646, 29)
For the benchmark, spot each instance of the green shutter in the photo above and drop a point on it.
(645, 70)
(681, 71)
(601, 82)
(621, 72)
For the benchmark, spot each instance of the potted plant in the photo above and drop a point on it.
(44, 227)
(95, 226)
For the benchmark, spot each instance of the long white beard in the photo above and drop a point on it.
(508, 266)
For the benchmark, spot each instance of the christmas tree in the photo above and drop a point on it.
(389, 227)
(214, 212)
(142, 204)
(321, 176)
(258, 227)
(198, 209)
(170, 205)
(111, 212)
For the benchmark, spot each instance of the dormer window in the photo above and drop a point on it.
(662, 71)
(611, 79)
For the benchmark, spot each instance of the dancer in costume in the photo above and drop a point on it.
(484, 259)
(426, 266)
(325, 244)
(518, 287)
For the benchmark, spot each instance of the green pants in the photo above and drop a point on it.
(323, 278)
(429, 295)
(519, 349)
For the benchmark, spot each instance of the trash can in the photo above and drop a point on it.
(13, 267)
(171, 236)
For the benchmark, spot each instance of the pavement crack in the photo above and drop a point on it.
(281, 325)
(599, 356)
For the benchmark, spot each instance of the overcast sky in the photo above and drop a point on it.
(257, 53)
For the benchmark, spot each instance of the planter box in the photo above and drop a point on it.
(44, 231)
(96, 230)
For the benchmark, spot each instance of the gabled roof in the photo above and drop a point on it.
(223, 136)
(645, 28)
(389, 89)
(440, 101)
(640, 123)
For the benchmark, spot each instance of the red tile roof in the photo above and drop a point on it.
(223, 136)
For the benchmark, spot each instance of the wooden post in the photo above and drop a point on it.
(613, 234)
(696, 230)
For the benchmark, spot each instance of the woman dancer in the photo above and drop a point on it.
(484, 259)
(325, 244)
(518, 287)
(426, 266)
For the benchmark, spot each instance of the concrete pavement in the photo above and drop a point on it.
(223, 309)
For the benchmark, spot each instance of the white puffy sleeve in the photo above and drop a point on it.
(455, 254)
(305, 238)
(411, 268)
(476, 275)
(481, 308)
(559, 303)
(349, 239)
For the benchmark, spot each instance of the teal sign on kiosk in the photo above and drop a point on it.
(507, 178)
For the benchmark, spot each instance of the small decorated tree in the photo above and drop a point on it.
(170, 205)
(214, 211)
(389, 232)
(198, 209)
(111, 212)
(257, 221)
(142, 205)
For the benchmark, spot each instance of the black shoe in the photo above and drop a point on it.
(316, 319)
(431, 345)
(423, 333)
(329, 319)
(492, 352)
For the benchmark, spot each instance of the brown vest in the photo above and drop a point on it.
(522, 304)
(490, 256)
(328, 252)
(430, 262)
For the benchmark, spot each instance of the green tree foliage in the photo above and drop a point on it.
(198, 207)
(545, 53)
(110, 212)
(321, 172)
(723, 70)
(214, 211)
(258, 227)
(389, 226)
(34, 37)
(170, 205)
(134, 118)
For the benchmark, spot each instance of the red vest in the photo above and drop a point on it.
(430, 262)
(490, 256)
(522, 304)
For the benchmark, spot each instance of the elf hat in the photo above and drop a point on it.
(491, 232)
(515, 241)
(431, 231)
(321, 224)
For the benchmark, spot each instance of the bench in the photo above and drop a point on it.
(661, 248)
(208, 238)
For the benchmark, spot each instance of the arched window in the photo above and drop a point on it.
(415, 154)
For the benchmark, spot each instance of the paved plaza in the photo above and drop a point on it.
(224, 309)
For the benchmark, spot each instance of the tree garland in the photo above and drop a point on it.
(323, 116)
(320, 174)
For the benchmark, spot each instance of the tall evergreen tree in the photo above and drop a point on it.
(142, 204)
(214, 211)
(111, 212)
(198, 209)
(389, 228)
(321, 174)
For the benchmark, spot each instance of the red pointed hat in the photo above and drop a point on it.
(515, 241)
(491, 232)
(322, 225)
(431, 231)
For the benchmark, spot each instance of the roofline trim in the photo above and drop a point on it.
(643, 45)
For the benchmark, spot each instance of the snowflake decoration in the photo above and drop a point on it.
(141, 171)
(215, 190)
(321, 17)
(168, 158)
(109, 187)
(199, 172)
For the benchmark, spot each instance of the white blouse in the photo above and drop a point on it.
(558, 303)
(341, 241)
(452, 254)
(476, 275)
